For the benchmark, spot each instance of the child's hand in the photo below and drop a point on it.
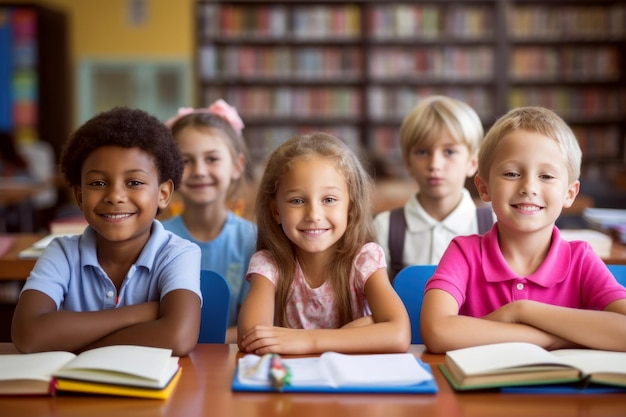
(508, 313)
(271, 339)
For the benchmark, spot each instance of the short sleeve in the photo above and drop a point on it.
(262, 263)
(369, 260)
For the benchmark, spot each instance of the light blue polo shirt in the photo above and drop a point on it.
(68, 272)
(228, 254)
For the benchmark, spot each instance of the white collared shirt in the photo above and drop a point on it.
(426, 238)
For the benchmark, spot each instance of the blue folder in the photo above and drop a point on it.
(425, 387)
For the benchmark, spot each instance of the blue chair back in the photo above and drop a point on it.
(619, 272)
(215, 305)
(409, 284)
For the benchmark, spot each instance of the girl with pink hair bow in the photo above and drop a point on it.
(215, 156)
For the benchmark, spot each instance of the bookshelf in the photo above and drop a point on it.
(34, 68)
(355, 68)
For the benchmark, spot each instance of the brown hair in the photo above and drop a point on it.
(359, 231)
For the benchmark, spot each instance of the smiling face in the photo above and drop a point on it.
(528, 183)
(209, 166)
(441, 167)
(120, 193)
(312, 204)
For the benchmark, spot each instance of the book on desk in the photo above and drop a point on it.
(334, 372)
(59, 227)
(122, 370)
(525, 365)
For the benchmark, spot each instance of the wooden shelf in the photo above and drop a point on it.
(408, 50)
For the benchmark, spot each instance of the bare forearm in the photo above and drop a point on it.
(594, 329)
(162, 333)
(455, 332)
(385, 337)
(71, 331)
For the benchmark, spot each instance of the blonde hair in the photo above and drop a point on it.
(360, 227)
(532, 119)
(426, 121)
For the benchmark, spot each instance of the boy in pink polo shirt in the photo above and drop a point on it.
(522, 281)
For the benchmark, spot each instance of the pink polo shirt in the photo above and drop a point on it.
(474, 272)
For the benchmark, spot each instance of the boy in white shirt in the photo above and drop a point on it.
(439, 139)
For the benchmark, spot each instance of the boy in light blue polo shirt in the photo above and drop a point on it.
(125, 280)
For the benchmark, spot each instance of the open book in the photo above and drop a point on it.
(336, 372)
(36, 249)
(135, 371)
(515, 364)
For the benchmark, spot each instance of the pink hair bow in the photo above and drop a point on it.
(219, 108)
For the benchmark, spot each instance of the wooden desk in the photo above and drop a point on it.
(204, 389)
(12, 267)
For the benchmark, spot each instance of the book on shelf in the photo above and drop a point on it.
(335, 372)
(121, 370)
(524, 364)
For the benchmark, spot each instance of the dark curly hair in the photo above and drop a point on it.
(127, 128)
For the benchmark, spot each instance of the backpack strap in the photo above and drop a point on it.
(484, 216)
(397, 231)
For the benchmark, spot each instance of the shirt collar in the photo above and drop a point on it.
(496, 269)
(89, 253)
(456, 222)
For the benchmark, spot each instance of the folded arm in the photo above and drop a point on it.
(387, 330)
(444, 329)
(594, 329)
(173, 323)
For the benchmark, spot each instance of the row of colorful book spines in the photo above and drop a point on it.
(572, 102)
(599, 141)
(395, 103)
(283, 61)
(410, 20)
(464, 63)
(447, 62)
(450, 62)
(596, 62)
(383, 103)
(403, 20)
(307, 21)
(557, 21)
(291, 102)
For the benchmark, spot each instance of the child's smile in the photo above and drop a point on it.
(312, 204)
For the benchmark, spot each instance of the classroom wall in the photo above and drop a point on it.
(100, 28)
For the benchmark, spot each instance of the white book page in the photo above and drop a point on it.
(374, 369)
(501, 357)
(130, 363)
(591, 361)
(35, 366)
